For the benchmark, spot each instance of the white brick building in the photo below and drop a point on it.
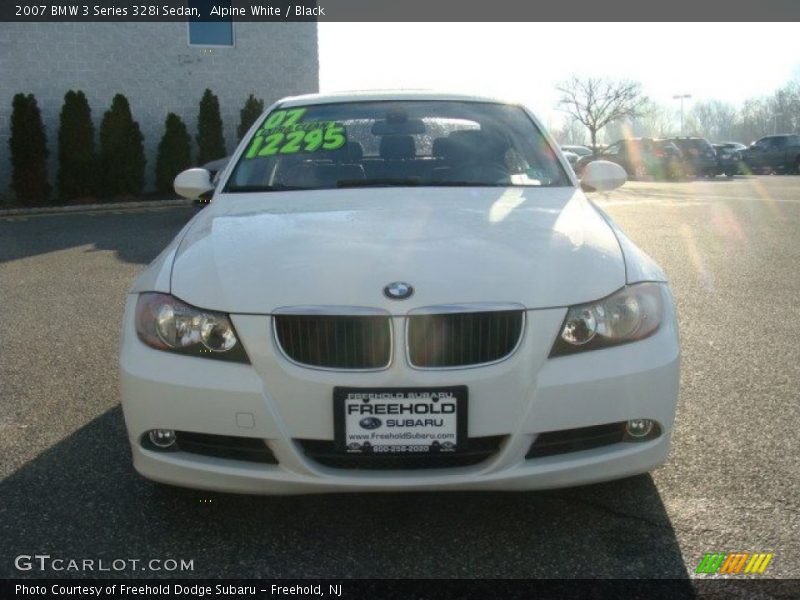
(156, 68)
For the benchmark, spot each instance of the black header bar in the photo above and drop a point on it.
(399, 10)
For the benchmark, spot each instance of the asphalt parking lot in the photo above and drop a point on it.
(732, 482)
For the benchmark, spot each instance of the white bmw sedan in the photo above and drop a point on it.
(398, 291)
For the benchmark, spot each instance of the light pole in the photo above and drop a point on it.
(777, 114)
(681, 97)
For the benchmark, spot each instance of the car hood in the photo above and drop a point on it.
(539, 247)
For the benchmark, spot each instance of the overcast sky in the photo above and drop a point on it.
(727, 61)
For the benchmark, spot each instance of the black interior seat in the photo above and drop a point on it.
(397, 147)
(474, 155)
(440, 148)
(397, 153)
(350, 153)
(356, 151)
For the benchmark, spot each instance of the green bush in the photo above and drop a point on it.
(253, 107)
(122, 158)
(174, 152)
(27, 144)
(210, 139)
(76, 154)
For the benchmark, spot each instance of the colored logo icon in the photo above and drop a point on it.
(734, 563)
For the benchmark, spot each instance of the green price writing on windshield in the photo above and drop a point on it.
(325, 136)
(283, 118)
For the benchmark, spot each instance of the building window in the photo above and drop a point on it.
(210, 33)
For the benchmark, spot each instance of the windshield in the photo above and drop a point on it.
(694, 144)
(668, 147)
(387, 143)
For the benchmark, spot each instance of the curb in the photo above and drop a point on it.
(44, 210)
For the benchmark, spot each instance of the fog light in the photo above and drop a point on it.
(639, 428)
(162, 438)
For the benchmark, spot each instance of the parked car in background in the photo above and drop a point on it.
(774, 154)
(579, 150)
(642, 158)
(698, 155)
(399, 291)
(571, 157)
(729, 158)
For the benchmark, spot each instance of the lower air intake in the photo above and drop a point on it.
(475, 451)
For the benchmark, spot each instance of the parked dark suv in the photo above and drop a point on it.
(729, 158)
(774, 153)
(642, 158)
(698, 155)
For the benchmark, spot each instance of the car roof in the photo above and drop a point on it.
(383, 95)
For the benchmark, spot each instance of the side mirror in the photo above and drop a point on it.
(193, 183)
(603, 176)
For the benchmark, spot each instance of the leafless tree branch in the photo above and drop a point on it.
(597, 102)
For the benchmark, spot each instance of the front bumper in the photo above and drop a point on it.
(281, 403)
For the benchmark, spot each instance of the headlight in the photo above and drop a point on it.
(166, 323)
(631, 314)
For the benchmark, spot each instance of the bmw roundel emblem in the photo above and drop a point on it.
(398, 290)
(370, 423)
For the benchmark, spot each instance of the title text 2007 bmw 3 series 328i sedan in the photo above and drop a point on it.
(398, 291)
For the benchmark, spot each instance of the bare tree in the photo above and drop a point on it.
(654, 121)
(714, 119)
(571, 132)
(755, 120)
(597, 102)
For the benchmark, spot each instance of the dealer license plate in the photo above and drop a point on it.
(400, 420)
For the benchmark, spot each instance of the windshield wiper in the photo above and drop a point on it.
(416, 182)
(278, 187)
(467, 184)
(387, 181)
